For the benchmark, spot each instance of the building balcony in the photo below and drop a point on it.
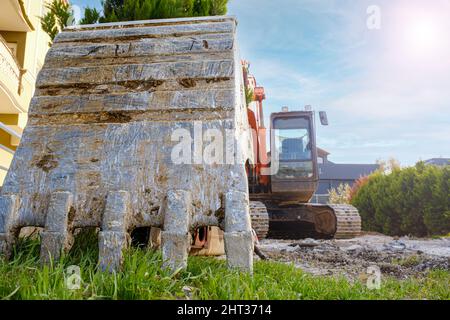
(6, 156)
(13, 16)
(11, 98)
(13, 104)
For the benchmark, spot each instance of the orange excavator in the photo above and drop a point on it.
(283, 181)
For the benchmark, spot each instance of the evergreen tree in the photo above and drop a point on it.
(218, 7)
(202, 7)
(148, 9)
(110, 7)
(91, 16)
(130, 10)
(60, 13)
(57, 18)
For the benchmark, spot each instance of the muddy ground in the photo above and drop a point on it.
(399, 257)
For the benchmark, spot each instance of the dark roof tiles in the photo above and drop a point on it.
(335, 171)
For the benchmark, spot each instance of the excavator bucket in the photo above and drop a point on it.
(116, 108)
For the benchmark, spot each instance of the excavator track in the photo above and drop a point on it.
(260, 219)
(309, 220)
(348, 221)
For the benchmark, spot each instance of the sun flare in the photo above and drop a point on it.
(423, 35)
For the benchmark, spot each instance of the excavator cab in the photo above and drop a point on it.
(293, 155)
(286, 212)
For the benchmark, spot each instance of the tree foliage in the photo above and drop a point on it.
(91, 16)
(340, 195)
(130, 10)
(57, 18)
(388, 166)
(60, 13)
(357, 186)
(413, 200)
(48, 24)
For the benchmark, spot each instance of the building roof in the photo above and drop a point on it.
(438, 161)
(321, 152)
(337, 171)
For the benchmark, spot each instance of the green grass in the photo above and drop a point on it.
(208, 278)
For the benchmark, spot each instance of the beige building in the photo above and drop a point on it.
(23, 46)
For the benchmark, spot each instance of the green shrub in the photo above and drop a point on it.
(414, 201)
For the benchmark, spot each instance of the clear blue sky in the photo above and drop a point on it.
(386, 91)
